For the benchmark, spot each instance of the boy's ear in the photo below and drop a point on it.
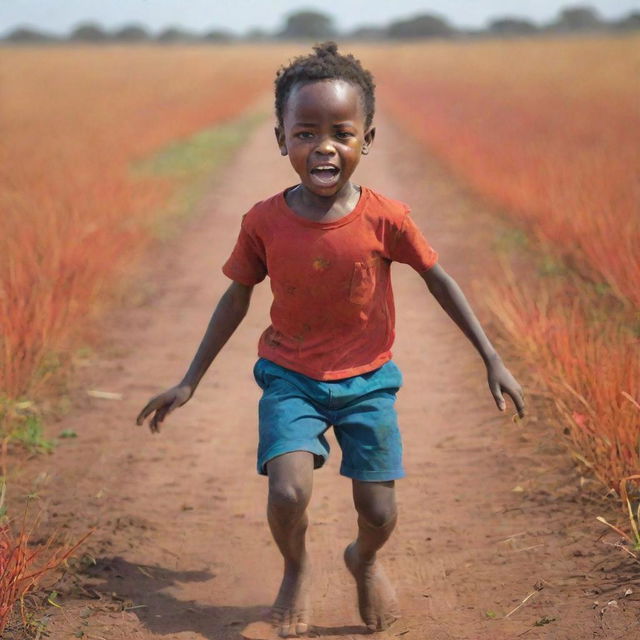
(368, 140)
(278, 130)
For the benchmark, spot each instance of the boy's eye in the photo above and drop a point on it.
(304, 135)
(343, 135)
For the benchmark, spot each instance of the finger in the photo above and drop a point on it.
(154, 425)
(157, 419)
(497, 396)
(143, 414)
(149, 407)
(518, 401)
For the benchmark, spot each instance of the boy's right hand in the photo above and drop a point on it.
(163, 404)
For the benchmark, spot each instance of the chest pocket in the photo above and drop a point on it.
(363, 281)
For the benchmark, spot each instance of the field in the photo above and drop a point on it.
(74, 213)
(550, 132)
(543, 137)
(550, 135)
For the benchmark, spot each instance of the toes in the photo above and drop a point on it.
(382, 622)
(288, 632)
(291, 626)
(294, 625)
(285, 625)
(290, 622)
(370, 621)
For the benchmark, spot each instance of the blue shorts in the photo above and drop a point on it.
(295, 411)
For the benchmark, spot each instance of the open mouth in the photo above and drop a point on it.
(325, 174)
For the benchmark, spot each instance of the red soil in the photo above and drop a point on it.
(490, 512)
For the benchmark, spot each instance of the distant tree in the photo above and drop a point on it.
(89, 32)
(579, 18)
(511, 26)
(421, 26)
(472, 33)
(131, 33)
(218, 35)
(368, 33)
(256, 35)
(308, 25)
(628, 23)
(173, 35)
(26, 35)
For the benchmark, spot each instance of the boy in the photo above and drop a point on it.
(327, 246)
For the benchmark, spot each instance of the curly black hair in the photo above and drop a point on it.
(325, 64)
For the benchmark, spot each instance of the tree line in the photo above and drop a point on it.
(316, 25)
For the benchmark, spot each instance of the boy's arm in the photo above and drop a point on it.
(450, 297)
(229, 312)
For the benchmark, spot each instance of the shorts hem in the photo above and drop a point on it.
(319, 453)
(372, 476)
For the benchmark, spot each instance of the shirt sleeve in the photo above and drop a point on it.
(247, 262)
(408, 245)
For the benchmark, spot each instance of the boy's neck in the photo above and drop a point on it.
(311, 206)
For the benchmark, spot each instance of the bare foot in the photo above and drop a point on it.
(376, 596)
(290, 612)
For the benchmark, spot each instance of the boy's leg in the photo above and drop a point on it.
(377, 515)
(290, 484)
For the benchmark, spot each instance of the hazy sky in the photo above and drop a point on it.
(239, 15)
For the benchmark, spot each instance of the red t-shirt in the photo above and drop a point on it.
(332, 315)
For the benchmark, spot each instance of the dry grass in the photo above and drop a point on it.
(589, 367)
(549, 131)
(73, 122)
(23, 566)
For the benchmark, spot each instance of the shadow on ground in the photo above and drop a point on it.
(142, 590)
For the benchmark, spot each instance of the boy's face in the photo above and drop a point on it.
(324, 134)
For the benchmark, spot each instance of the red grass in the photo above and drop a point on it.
(590, 372)
(73, 218)
(548, 130)
(22, 568)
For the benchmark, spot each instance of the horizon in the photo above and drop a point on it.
(48, 17)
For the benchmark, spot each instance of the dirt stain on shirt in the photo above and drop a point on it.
(320, 264)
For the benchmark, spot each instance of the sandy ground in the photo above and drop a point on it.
(491, 513)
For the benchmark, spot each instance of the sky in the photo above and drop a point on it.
(241, 15)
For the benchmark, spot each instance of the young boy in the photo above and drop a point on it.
(327, 246)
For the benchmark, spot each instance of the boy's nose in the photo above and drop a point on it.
(325, 147)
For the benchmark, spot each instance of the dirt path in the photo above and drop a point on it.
(490, 511)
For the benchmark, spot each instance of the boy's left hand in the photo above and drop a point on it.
(501, 381)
